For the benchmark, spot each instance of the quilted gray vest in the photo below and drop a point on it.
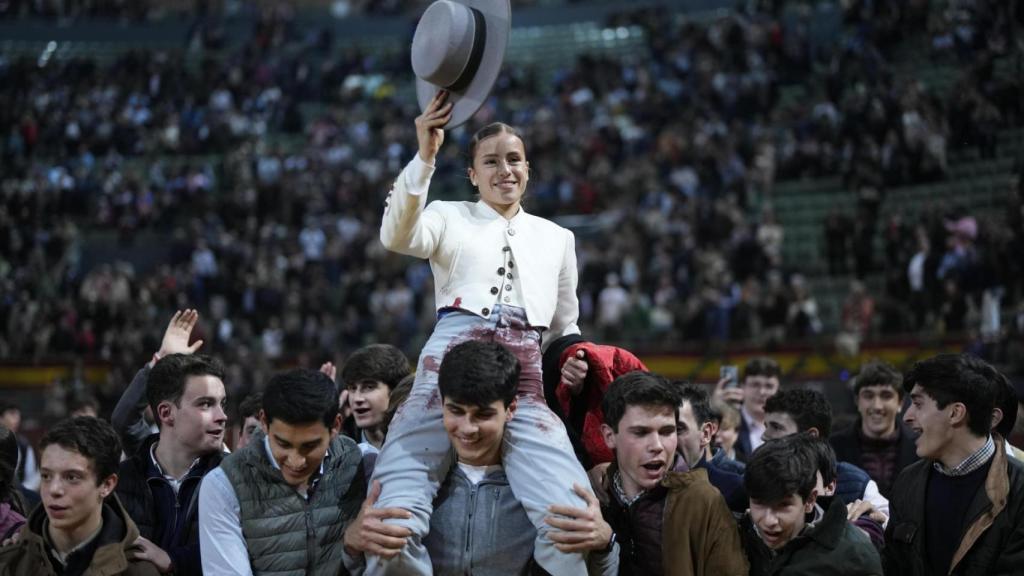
(287, 535)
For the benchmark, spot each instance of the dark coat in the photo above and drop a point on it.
(832, 547)
(743, 448)
(139, 486)
(847, 446)
(723, 476)
(851, 482)
(993, 541)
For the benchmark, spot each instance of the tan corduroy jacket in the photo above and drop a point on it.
(699, 534)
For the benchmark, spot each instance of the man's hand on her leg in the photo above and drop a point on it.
(579, 530)
(368, 534)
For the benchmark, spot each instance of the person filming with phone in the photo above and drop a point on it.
(760, 382)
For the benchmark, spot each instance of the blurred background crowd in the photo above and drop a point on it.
(247, 180)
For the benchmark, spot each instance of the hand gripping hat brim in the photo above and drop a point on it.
(459, 47)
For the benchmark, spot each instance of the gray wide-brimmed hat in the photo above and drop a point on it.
(459, 46)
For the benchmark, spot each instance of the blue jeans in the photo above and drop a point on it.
(536, 453)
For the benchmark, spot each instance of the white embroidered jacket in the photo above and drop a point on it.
(466, 244)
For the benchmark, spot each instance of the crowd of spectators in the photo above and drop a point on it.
(947, 269)
(141, 10)
(235, 198)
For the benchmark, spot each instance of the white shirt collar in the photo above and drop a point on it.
(484, 210)
(756, 430)
(174, 482)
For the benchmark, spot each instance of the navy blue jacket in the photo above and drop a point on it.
(171, 522)
(742, 448)
(850, 482)
(723, 475)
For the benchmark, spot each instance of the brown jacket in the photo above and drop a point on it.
(699, 535)
(682, 527)
(28, 555)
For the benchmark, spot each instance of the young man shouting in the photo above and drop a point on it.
(667, 520)
(786, 532)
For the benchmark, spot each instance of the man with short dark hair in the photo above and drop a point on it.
(960, 509)
(786, 531)
(81, 527)
(760, 382)
(667, 520)
(878, 442)
(129, 418)
(799, 410)
(280, 505)
(159, 479)
(1004, 415)
(697, 427)
(160, 482)
(478, 526)
(369, 375)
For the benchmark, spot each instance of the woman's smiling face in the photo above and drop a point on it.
(500, 172)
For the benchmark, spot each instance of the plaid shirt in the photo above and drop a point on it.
(971, 463)
(621, 492)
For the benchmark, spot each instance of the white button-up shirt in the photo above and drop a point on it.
(469, 246)
(756, 430)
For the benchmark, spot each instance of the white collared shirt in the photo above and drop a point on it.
(755, 430)
(174, 482)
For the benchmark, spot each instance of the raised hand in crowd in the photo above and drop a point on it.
(178, 332)
(330, 370)
(128, 416)
(344, 406)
